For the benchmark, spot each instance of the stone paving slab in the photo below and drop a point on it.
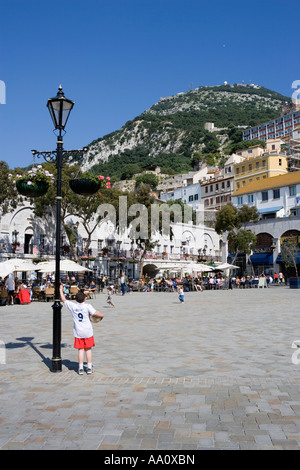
(213, 373)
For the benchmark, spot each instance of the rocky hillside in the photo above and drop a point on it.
(172, 131)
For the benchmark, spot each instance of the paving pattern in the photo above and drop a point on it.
(217, 372)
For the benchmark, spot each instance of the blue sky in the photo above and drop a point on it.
(116, 58)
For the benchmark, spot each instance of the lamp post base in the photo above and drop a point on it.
(56, 365)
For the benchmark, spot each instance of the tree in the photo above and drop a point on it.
(9, 198)
(84, 208)
(130, 170)
(234, 221)
(149, 179)
(144, 243)
(289, 252)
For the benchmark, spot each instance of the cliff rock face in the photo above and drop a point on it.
(176, 124)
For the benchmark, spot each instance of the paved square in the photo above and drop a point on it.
(213, 373)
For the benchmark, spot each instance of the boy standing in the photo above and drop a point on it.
(82, 329)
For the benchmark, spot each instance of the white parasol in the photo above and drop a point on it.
(65, 265)
(197, 267)
(225, 266)
(16, 265)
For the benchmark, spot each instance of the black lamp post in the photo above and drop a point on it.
(59, 108)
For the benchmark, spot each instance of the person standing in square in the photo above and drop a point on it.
(82, 329)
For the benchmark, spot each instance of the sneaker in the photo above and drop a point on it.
(80, 372)
(89, 371)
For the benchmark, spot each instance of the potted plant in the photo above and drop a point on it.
(15, 245)
(88, 184)
(33, 183)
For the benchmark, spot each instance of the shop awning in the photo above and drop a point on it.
(262, 258)
(269, 210)
(279, 259)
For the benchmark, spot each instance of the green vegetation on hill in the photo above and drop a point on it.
(171, 133)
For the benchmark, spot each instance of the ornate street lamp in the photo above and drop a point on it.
(59, 108)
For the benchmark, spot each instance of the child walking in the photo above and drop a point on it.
(181, 295)
(109, 297)
(82, 329)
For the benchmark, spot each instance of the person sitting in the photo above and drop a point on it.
(197, 285)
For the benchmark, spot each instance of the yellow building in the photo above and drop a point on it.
(265, 165)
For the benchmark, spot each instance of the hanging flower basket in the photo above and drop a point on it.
(84, 186)
(88, 184)
(31, 188)
(33, 183)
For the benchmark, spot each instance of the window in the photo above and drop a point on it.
(292, 190)
(264, 163)
(257, 165)
(280, 162)
(42, 241)
(243, 169)
(206, 189)
(196, 197)
(250, 198)
(237, 171)
(191, 198)
(250, 167)
(276, 193)
(240, 200)
(264, 196)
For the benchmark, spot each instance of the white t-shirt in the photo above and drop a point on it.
(10, 283)
(81, 315)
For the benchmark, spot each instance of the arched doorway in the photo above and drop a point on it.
(150, 270)
(289, 256)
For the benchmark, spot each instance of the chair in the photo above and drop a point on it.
(92, 294)
(73, 291)
(49, 293)
(24, 296)
(37, 293)
(3, 297)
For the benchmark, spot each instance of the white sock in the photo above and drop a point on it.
(89, 365)
(80, 366)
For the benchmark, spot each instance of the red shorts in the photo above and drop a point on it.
(84, 343)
